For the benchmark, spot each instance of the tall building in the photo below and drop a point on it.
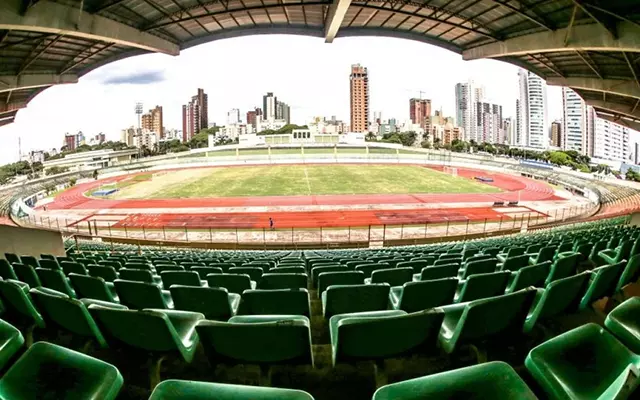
(575, 131)
(269, 102)
(556, 133)
(611, 142)
(359, 101)
(488, 126)
(509, 127)
(195, 115)
(532, 110)
(70, 142)
(152, 121)
(467, 95)
(283, 111)
(252, 116)
(377, 117)
(233, 116)
(419, 111)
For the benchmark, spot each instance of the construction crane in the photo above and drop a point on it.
(421, 92)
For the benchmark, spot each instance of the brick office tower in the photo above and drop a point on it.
(359, 81)
(419, 111)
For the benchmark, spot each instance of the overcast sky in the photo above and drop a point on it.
(308, 74)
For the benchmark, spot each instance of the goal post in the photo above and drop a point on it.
(450, 170)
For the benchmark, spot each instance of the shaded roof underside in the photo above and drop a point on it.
(28, 49)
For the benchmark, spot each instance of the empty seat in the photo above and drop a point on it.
(630, 272)
(17, 301)
(139, 295)
(234, 283)
(138, 275)
(562, 267)
(368, 268)
(48, 371)
(603, 283)
(494, 317)
(27, 274)
(213, 302)
(381, 334)
(289, 270)
(30, 260)
(11, 341)
(609, 256)
(178, 390)
(342, 299)
(6, 270)
(511, 253)
(326, 279)
(533, 275)
(415, 265)
(185, 278)
(162, 268)
(478, 267)
(275, 302)
(560, 296)
(392, 276)
(224, 266)
(479, 286)
(260, 339)
(316, 271)
(417, 296)
(623, 323)
(50, 264)
(107, 273)
(545, 254)
(12, 258)
(283, 281)
(494, 380)
(443, 271)
(255, 273)
(55, 279)
(584, 363)
(515, 263)
(73, 267)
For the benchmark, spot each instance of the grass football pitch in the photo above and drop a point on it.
(287, 180)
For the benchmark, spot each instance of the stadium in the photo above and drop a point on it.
(338, 271)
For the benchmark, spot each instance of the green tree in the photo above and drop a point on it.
(632, 175)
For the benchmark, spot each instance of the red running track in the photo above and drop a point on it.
(516, 188)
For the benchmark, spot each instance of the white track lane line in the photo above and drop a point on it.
(306, 175)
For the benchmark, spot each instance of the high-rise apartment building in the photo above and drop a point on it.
(252, 116)
(489, 127)
(575, 131)
(556, 133)
(419, 111)
(70, 142)
(359, 93)
(509, 127)
(233, 116)
(611, 141)
(152, 121)
(532, 128)
(283, 111)
(269, 103)
(195, 115)
(468, 94)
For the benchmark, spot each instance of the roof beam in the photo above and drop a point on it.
(28, 81)
(335, 16)
(6, 121)
(616, 119)
(49, 17)
(6, 108)
(583, 37)
(615, 108)
(618, 87)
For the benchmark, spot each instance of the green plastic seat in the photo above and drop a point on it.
(259, 339)
(595, 250)
(105, 272)
(161, 331)
(381, 334)
(27, 274)
(624, 323)
(224, 266)
(48, 371)
(12, 258)
(55, 279)
(275, 302)
(204, 271)
(515, 263)
(50, 264)
(603, 283)
(392, 276)
(138, 275)
(283, 281)
(511, 253)
(533, 275)
(584, 363)
(11, 341)
(214, 303)
(6, 270)
(115, 264)
(368, 268)
(30, 260)
(483, 266)
(415, 265)
(234, 283)
(185, 278)
(560, 296)
(93, 288)
(69, 267)
(255, 273)
(545, 254)
(494, 380)
(562, 267)
(15, 297)
(289, 270)
(630, 272)
(139, 295)
(316, 271)
(162, 268)
(448, 261)
(443, 271)
(614, 256)
(480, 286)
(180, 390)
(422, 295)
(326, 279)
(492, 318)
(343, 299)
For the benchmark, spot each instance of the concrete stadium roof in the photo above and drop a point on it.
(592, 46)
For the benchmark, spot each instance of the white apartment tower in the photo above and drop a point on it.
(532, 111)
(611, 141)
(468, 94)
(575, 131)
(233, 116)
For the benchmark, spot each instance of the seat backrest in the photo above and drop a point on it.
(50, 264)
(447, 261)
(480, 286)
(392, 276)
(139, 295)
(563, 267)
(623, 252)
(515, 251)
(161, 268)
(6, 270)
(533, 275)
(356, 298)
(69, 267)
(603, 282)
(16, 297)
(111, 263)
(480, 267)
(443, 271)
(277, 339)
(415, 265)
(546, 254)
(326, 279)
(187, 278)
(27, 274)
(255, 273)
(562, 295)
(30, 260)
(12, 258)
(225, 266)
(275, 302)
(368, 268)
(283, 281)
(630, 272)
(138, 275)
(315, 271)
(289, 270)
(371, 337)
(515, 263)
(496, 315)
(54, 279)
(597, 247)
(107, 273)
(212, 302)
(422, 295)
(91, 287)
(234, 283)
(138, 265)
